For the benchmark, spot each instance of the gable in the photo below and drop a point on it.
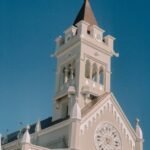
(107, 109)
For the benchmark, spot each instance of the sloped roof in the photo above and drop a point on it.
(86, 14)
(44, 124)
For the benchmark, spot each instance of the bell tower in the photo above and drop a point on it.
(83, 62)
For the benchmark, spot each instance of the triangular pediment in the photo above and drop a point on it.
(108, 104)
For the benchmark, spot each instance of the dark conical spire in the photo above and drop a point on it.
(86, 14)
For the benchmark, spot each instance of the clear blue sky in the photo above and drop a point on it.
(28, 29)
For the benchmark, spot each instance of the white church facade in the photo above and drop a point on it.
(86, 115)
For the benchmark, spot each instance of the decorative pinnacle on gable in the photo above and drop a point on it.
(26, 136)
(138, 129)
(86, 14)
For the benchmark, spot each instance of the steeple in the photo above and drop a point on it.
(84, 63)
(86, 14)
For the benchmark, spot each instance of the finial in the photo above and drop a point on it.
(38, 126)
(0, 142)
(26, 137)
(28, 127)
(137, 121)
(138, 129)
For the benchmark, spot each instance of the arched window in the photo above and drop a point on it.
(87, 69)
(63, 75)
(94, 73)
(101, 76)
(71, 72)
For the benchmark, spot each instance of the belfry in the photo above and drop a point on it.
(86, 114)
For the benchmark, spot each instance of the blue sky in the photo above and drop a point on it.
(28, 29)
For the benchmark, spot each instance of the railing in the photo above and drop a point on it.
(64, 88)
(92, 87)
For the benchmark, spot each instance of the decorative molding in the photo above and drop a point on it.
(106, 136)
(98, 46)
(107, 106)
(68, 46)
(87, 57)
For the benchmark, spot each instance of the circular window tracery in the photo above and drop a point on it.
(107, 137)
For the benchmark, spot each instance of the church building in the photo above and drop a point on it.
(86, 114)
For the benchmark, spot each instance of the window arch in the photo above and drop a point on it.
(94, 72)
(69, 71)
(101, 76)
(64, 75)
(87, 69)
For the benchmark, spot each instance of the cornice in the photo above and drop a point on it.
(68, 46)
(98, 46)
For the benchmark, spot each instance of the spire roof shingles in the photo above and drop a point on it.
(86, 14)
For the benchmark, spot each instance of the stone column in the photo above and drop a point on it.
(71, 73)
(66, 75)
(91, 71)
(98, 76)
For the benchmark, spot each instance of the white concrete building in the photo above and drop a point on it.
(86, 114)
